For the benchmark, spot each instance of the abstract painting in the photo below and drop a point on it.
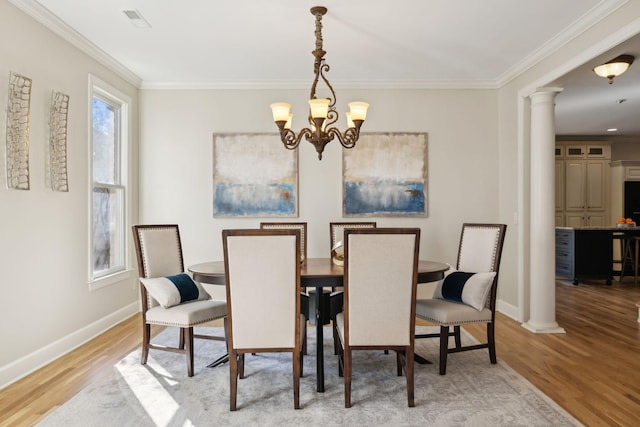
(254, 176)
(386, 175)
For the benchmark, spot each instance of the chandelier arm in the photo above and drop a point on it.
(349, 138)
(289, 139)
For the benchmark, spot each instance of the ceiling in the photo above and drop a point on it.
(369, 43)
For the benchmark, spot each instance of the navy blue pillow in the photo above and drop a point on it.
(186, 287)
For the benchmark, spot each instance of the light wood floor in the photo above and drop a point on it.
(593, 371)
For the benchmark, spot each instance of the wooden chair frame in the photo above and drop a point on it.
(187, 335)
(445, 332)
(237, 355)
(404, 353)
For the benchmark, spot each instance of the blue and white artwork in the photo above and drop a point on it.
(254, 176)
(386, 175)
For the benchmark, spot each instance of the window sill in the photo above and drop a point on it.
(110, 279)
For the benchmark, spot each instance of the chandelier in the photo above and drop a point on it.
(322, 112)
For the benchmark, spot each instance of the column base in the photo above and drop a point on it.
(543, 329)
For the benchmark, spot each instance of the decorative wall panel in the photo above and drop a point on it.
(17, 148)
(58, 141)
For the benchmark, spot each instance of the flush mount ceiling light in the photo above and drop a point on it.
(322, 112)
(615, 67)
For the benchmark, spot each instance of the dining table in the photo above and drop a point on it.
(314, 273)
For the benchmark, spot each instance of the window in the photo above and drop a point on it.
(109, 118)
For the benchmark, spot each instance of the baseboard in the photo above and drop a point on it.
(507, 309)
(24, 366)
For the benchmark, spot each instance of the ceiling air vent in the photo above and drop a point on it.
(136, 19)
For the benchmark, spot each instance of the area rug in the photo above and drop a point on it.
(472, 393)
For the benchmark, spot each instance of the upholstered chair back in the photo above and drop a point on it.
(302, 226)
(380, 286)
(479, 248)
(159, 252)
(263, 284)
(336, 230)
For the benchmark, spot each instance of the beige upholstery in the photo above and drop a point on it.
(336, 234)
(379, 298)
(302, 226)
(336, 230)
(263, 304)
(480, 250)
(159, 254)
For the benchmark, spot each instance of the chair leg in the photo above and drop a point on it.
(444, 347)
(408, 368)
(347, 377)
(188, 338)
(233, 379)
(491, 340)
(181, 342)
(340, 360)
(398, 363)
(146, 336)
(241, 366)
(336, 341)
(456, 335)
(297, 369)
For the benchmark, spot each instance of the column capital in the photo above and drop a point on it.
(549, 92)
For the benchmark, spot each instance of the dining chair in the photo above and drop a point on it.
(336, 239)
(380, 279)
(169, 296)
(263, 304)
(302, 226)
(467, 294)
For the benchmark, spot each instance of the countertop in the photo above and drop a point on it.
(601, 228)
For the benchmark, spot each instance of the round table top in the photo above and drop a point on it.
(320, 268)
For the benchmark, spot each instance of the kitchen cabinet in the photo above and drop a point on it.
(584, 253)
(582, 184)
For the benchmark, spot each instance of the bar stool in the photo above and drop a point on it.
(630, 249)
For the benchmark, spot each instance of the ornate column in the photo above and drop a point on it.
(542, 283)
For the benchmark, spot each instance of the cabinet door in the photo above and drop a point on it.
(559, 185)
(596, 184)
(574, 219)
(575, 181)
(596, 219)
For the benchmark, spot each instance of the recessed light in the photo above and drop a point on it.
(612, 130)
(620, 101)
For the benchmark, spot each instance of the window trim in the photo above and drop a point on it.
(108, 93)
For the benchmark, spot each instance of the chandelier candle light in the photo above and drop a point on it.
(322, 112)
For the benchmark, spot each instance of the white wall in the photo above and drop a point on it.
(176, 161)
(46, 307)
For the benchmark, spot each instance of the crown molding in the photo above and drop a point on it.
(343, 85)
(53, 23)
(586, 21)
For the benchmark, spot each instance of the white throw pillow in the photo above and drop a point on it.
(467, 288)
(174, 290)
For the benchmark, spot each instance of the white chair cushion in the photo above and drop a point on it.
(445, 312)
(187, 314)
(173, 290)
(468, 288)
